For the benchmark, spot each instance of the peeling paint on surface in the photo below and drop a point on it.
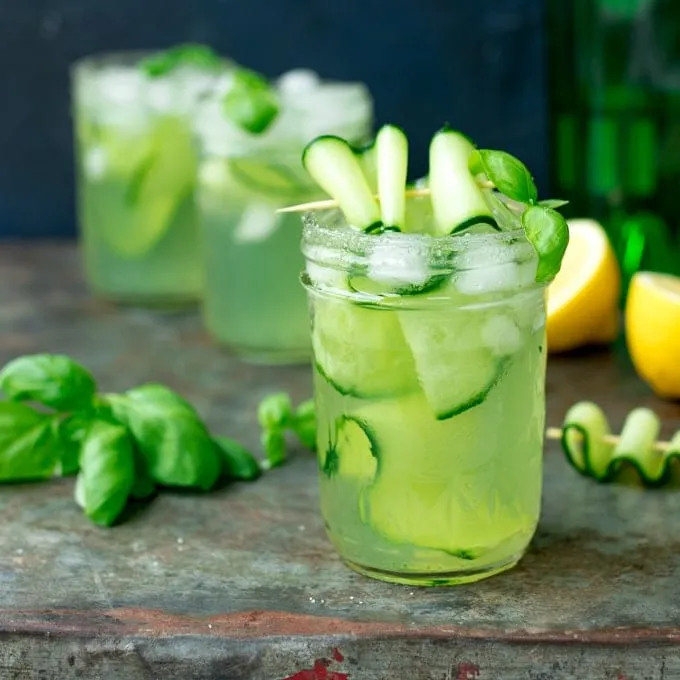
(320, 670)
(467, 671)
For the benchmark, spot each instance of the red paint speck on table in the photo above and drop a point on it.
(320, 670)
(467, 671)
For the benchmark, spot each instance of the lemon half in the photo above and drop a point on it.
(653, 331)
(583, 299)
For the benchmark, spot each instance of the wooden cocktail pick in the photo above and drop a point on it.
(556, 433)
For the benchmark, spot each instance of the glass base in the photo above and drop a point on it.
(272, 357)
(451, 578)
(156, 302)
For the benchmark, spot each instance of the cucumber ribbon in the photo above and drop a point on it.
(593, 451)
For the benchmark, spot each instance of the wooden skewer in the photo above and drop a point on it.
(331, 203)
(556, 433)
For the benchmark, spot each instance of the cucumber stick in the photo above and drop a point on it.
(368, 159)
(333, 165)
(457, 200)
(392, 159)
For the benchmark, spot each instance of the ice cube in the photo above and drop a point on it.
(298, 81)
(327, 278)
(257, 223)
(119, 86)
(95, 162)
(486, 269)
(490, 279)
(501, 335)
(162, 94)
(395, 265)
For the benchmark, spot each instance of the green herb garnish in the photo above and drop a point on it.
(277, 417)
(545, 228)
(548, 233)
(251, 102)
(188, 54)
(122, 446)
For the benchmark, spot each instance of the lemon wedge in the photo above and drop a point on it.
(653, 331)
(584, 296)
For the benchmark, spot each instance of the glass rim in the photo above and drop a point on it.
(94, 62)
(332, 242)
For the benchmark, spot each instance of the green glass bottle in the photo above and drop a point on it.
(614, 85)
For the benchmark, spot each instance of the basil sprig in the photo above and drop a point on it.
(121, 446)
(544, 227)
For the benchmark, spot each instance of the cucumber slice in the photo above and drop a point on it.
(368, 159)
(352, 451)
(359, 350)
(392, 151)
(583, 440)
(435, 485)
(460, 355)
(271, 180)
(157, 187)
(360, 283)
(334, 167)
(457, 201)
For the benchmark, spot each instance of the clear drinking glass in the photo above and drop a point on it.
(136, 170)
(253, 301)
(429, 379)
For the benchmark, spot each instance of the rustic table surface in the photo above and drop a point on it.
(242, 584)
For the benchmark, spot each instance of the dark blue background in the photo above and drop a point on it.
(476, 65)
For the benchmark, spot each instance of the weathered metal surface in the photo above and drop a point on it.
(242, 584)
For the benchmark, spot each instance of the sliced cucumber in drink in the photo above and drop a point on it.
(333, 165)
(459, 355)
(156, 187)
(457, 200)
(351, 451)
(361, 351)
(269, 179)
(427, 492)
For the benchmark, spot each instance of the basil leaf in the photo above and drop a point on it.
(304, 424)
(143, 486)
(107, 472)
(72, 433)
(548, 233)
(189, 54)
(510, 176)
(275, 411)
(51, 379)
(29, 443)
(274, 445)
(251, 102)
(553, 203)
(169, 434)
(237, 461)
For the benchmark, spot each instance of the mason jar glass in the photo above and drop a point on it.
(253, 302)
(429, 372)
(136, 170)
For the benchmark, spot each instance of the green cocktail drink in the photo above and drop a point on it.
(430, 406)
(136, 168)
(428, 331)
(253, 301)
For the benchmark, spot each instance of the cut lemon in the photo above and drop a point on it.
(653, 331)
(583, 298)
